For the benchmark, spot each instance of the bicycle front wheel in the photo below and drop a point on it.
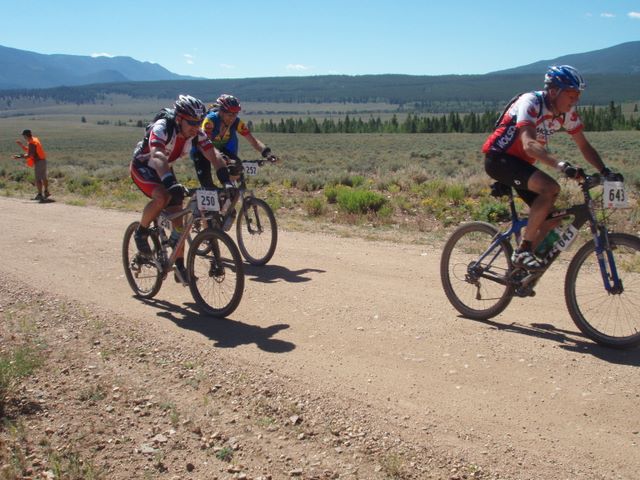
(216, 275)
(257, 231)
(143, 274)
(476, 287)
(196, 228)
(610, 319)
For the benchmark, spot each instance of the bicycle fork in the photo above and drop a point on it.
(610, 278)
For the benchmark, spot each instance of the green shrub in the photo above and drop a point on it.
(493, 212)
(455, 193)
(385, 212)
(352, 180)
(331, 193)
(83, 185)
(359, 201)
(20, 363)
(20, 175)
(315, 207)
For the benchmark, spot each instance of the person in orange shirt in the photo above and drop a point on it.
(36, 158)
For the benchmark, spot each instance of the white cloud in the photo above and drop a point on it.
(226, 66)
(298, 67)
(635, 15)
(607, 15)
(190, 59)
(95, 55)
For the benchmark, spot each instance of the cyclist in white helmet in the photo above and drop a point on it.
(170, 137)
(520, 140)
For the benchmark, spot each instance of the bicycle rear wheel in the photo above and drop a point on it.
(216, 275)
(143, 275)
(257, 231)
(610, 319)
(477, 289)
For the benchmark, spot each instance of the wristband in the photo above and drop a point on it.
(265, 152)
(223, 175)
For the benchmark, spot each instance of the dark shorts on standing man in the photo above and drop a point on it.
(40, 170)
(512, 171)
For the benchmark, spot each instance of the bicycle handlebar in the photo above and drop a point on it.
(590, 181)
(261, 161)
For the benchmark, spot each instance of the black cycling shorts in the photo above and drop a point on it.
(147, 180)
(512, 171)
(203, 167)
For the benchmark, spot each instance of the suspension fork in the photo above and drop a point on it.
(604, 254)
(247, 196)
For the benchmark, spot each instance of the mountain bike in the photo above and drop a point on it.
(214, 265)
(256, 227)
(602, 282)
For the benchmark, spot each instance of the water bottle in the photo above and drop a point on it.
(164, 221)
(547, 243)
(559, 238)
(175, 236)
(225, 206)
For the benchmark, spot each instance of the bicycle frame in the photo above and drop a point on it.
(164, 221)
(581, 213)
(244, 193)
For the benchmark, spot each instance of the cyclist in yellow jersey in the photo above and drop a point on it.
(222, 126)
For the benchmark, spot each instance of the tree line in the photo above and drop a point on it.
(594, 119)
(418, 93)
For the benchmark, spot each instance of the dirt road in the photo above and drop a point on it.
(523, 395)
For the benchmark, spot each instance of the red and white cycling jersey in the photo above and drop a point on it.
(529, 109)
(176, 146)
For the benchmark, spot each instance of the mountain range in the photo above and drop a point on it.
(23, 69)
(622, 59)
(612, 74)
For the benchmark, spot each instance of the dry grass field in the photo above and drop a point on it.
(428, 181)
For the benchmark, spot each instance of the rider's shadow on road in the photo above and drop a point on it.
(568, 340)
(272, 273)
(225, 333)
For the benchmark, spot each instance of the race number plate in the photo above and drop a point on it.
(614, 195)
(207, 200)
(250, 168)
(566, 238)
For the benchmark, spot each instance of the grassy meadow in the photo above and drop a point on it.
(398, 183)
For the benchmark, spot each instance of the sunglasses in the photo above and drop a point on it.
(193, 123)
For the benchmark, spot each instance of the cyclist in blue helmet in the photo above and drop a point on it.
(520, 140)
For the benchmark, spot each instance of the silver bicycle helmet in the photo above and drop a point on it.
(190, 107)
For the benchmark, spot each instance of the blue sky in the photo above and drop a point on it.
(266, 38)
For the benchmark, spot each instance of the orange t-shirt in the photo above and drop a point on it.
(40, 153)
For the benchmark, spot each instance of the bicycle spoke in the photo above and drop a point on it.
(257, 232)
(143, 275)
(217, 277)
(472, 276)
(611, 319)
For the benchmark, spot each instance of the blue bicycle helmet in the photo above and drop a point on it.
(564, 76)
